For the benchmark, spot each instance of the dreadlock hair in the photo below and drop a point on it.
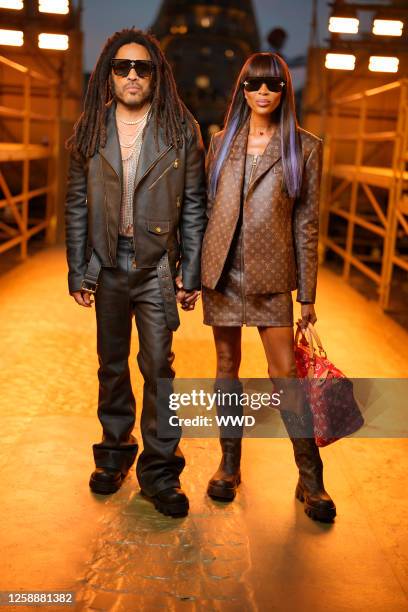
(167, 110)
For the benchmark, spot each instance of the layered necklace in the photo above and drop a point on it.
(135, 138)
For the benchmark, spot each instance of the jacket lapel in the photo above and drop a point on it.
(111, 151)
(236, 162)
(237, 156)
(150, 153)
(269, 157)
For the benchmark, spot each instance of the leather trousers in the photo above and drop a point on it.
(123, 292)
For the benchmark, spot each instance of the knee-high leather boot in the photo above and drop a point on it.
(310, 490)
(223, 485)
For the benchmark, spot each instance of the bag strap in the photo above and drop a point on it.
(311, 328)
(308, 338)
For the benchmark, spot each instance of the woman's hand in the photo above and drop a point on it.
(308, 315)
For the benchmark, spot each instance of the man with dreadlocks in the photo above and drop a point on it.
(135, 218)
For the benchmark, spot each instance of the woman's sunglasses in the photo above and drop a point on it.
(122, 67)
(275, 84)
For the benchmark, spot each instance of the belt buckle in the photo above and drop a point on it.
(89, 286)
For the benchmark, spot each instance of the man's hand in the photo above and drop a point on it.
(83, 298)
(308, 314)
(187, 299)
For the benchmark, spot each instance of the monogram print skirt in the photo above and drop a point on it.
(228, 305)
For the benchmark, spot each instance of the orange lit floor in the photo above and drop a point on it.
(260, 552)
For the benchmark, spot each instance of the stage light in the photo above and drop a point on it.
(54, 6)
(53, 41)
(181, 29)
(387, 27)
(383, 64)
(344, 25)
(202, 81)
(12, 4)
(14, 38)
(205, 22)
(340, 61)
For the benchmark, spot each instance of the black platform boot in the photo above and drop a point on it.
(310, 490)
(223, 485)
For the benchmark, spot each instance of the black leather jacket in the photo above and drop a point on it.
(169, 205)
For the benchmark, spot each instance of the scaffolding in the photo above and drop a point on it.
(18, 223)
(364, 216)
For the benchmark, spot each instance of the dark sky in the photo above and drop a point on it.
(103, 17)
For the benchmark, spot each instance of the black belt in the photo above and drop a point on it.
(90, 284)
(90, 281)
(167, 291)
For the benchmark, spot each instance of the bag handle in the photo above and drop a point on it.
(311, 328)
(307, 337)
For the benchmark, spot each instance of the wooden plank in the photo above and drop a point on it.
(18, 239)
(353, 260)
(11, 151)
(376, 229)
(373, 175)
(372, 136)
(31, 194)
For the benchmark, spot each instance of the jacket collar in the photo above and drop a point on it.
(270, 156)
(149, 153)
(111, 150)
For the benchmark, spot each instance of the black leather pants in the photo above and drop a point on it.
(122, 293)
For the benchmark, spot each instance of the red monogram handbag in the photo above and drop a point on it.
(329, 392)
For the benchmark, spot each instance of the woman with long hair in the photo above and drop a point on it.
(263, 174)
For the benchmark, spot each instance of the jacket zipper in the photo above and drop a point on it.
(152, 165)
(147, 171)
(173, 164)
(254, 162)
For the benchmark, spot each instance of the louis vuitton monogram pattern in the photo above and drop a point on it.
(280, 234)
(227, 305)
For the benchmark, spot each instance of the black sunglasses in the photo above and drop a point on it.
(275, 84)
(122, 67)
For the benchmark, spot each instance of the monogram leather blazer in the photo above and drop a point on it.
(280, 236)
(169, 204)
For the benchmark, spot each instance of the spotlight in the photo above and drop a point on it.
(383, 64)
(12, 4)
(53, 41)
(54, 6)
(14, 38)
(343, 25)
(340, 61)
(387, 27)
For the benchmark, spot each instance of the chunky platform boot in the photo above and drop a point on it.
(310, 490)
(223, 485)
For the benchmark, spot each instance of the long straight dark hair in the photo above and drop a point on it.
(263, 64)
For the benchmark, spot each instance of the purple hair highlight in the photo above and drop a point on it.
(238, 112)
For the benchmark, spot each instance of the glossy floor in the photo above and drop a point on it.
(260, 552)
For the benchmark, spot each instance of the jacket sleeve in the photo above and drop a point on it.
(306, 226)
(76, 222)
(193, 219)
(208, 163)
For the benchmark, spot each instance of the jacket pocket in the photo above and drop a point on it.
(158, 227)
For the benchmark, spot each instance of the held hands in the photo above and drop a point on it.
(187, 299)
(308, 314)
